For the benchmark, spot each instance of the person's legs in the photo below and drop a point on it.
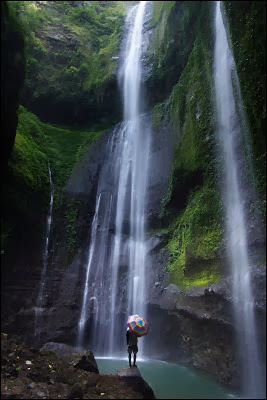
(134, 364)
(130, 356)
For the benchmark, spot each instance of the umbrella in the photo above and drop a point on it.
(137, 325)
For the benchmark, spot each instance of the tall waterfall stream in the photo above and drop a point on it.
(120, 209)
(229, 132)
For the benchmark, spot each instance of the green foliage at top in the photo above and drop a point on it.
(247, 26)
(69, 48)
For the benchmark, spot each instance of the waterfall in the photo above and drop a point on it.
(237, 246)
(115, 275)
(39, 302)
(135, 159)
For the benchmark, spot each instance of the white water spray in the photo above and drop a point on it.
(39, 302)
(126, 169)
(229, 133)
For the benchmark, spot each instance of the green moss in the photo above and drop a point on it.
(206, 274)
(64, 146)
(158, 114)
(247, 26)
(191, 113)
(196, 236)
(159, 230)
(28, 163)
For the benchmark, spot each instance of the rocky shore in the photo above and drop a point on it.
(59, 371)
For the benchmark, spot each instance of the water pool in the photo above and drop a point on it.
(170, 380)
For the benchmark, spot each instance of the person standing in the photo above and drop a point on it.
(132, 340)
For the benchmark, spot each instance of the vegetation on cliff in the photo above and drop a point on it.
(69, 66)
(71, 49)
(247, 26)
(192, 208)
(26, 185)
(176, 25)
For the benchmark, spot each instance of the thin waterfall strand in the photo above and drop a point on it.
(235, 225)
(83, 316)
(39, 302)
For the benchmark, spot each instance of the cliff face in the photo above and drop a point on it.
(12, 76)
(187, 273)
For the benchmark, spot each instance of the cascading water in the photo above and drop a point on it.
(40, 299)
(229, 134)
(115, 277)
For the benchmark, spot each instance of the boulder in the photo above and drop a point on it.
(133, 378)
(83, 359)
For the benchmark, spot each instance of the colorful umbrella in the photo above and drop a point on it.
(137, 325)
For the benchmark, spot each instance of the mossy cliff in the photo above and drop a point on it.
(37, 147)
(181, 77)
(192, 209)
(72, 49)
(176, 25)
(70, 56)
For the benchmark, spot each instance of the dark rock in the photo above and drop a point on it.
(133, 379)
(12, 78)
(170, 297)
(87, 364)
(76, 391)
(258, 279)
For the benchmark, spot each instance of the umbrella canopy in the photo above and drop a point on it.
(137, 325)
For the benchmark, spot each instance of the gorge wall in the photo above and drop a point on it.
(187, 273)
